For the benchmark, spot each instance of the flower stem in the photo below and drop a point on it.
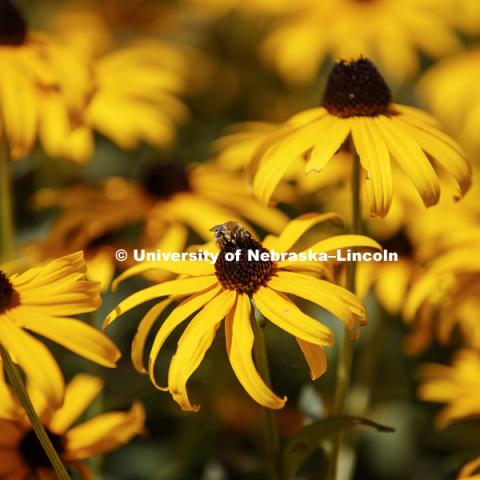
(6, 212)
(272, 441)
(18, 386)
(344, 365)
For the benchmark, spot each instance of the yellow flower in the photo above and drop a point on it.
(449, 91)
(41, 81)
(225, 291)
(357, 104)
(390, 32)
(470, 471)
(169, 200)
(21, 455)
(456, 385)
(446, 296)
(41, 300)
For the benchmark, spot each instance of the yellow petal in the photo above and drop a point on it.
(35, 360)
(193, 344)
(286, 315)
(297, 228)
(79, 394)
(375, 159)
(104, 433)
(344, 241)
(411, 158)
(315, 357)
(144, 328)
(329, 138)
(174, 287)
(74, 335)
(179, 314)
(239, 348)
(193, 268)
(329, 296)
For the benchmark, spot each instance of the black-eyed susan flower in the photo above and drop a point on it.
(226, 290)
(444, 299)
(22, 455)
(42, 300)
(357, 104)
(41, 81)
(168, 200)
(391, 33)
(457, 385)
(449, 90)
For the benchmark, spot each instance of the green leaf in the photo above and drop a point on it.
(310, 438)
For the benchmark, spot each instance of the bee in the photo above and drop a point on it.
(230, 234)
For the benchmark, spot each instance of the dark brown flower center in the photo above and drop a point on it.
(164, 180)
(356, 89)
(399, 243)
(8, 295)
(239, 265)
(32, 451)
(13, 28)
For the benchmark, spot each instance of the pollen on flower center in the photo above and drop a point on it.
(164, 180)
(356, 88)
(8, 295)
(244, 275)
(13, 28)
(33, 453)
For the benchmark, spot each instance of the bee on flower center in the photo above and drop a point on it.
(241, 273)
(13, 28)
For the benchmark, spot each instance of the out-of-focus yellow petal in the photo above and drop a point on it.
(239, 348)
(79, 394)
(104, 433)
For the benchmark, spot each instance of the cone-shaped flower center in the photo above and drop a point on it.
(164, 180)
(32, 451)
(239, 265)
(8, 295)
(356, 89)
(13, 28)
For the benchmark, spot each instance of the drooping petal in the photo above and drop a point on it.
(315, 357)
(184, 286)
(286, 315)
(181, 313)
(193, 344)
(411, 158)
(35, 359)
(79, 394)
(104, 433)
(74, 335)
(144, 328)
(239, 348)
(375, 159)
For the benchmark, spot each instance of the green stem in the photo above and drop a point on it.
(272, 441)
(344, 364)
(6, 209)
(18, 387)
